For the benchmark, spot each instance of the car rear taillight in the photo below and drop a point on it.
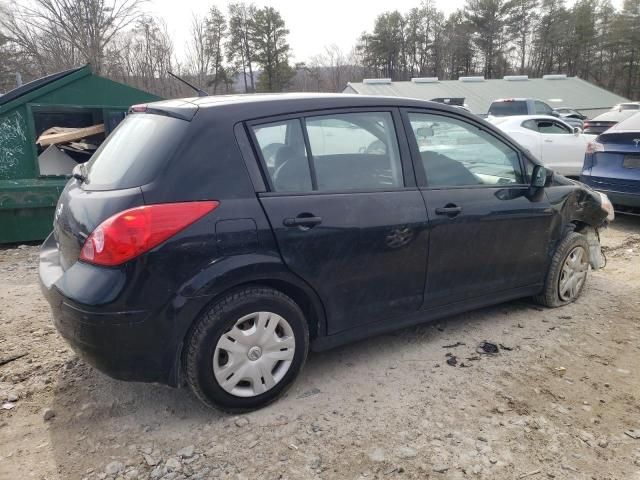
(595, 147)
(133, 232)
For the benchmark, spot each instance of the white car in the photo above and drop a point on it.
(552, 141)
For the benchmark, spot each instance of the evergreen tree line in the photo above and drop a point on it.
(493, 38)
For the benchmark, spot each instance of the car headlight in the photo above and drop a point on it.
(607, 206)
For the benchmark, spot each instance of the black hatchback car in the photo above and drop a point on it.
(213, 241)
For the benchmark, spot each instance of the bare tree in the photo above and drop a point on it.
(41, 52)
(143, 56)
(83, 26)
(198, 53)
(337, 66)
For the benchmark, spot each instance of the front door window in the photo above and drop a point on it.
(455, 153)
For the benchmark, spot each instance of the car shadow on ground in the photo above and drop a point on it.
(97, 417)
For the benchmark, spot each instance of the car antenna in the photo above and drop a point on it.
(201, 93)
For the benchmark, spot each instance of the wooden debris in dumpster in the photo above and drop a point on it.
(56, 135)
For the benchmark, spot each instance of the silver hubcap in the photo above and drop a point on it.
(254, 355)
(574, 273)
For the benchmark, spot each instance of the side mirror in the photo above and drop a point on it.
(577, 131)
(555, 114)
(539, 177)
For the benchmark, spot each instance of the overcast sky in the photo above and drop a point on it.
(312, 23)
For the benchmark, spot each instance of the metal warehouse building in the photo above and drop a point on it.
(556, 90)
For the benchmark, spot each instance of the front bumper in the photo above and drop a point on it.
(123, 342)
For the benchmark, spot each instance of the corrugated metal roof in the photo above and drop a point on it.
(556, 90)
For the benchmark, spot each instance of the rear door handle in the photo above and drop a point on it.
(302, 221)
(451, 210)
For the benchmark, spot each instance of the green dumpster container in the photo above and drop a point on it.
(70, 99)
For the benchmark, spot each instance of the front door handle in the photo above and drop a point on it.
(302, 221)
(449, 210)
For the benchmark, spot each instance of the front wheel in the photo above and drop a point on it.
(567, 273)
(247, 349)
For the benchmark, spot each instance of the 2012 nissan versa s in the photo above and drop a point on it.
(213, 241)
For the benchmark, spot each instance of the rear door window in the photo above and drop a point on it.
(354, 151)
(551, 127)
(135, 152)
(341, 152)
(284, 154)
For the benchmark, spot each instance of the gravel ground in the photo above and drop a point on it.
(560, 401)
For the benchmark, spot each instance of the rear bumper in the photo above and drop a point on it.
(123, 342)
(618, 194)
(623, 199)
(121, 351)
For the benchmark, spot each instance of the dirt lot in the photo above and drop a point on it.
(555, 406)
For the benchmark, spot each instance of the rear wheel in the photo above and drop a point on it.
(567, 273)
(247, 349)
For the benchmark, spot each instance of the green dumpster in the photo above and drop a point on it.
(30, 180)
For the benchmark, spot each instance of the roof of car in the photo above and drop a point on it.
(302, 98)
(262, 105)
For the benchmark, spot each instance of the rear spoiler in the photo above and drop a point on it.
(169, 108)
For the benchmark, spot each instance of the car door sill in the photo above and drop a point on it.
(422, 316)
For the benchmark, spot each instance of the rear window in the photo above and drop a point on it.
(631, 123)
(134, 153)
(501, 109)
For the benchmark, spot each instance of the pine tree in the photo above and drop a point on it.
(520, 24)
(488, 19)
(269, 38)
(216, 28)
(239, 46)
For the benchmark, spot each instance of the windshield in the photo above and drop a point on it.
(134, 152)
(501, 109)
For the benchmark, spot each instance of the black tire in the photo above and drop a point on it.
(219, 318)
(550, 295)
